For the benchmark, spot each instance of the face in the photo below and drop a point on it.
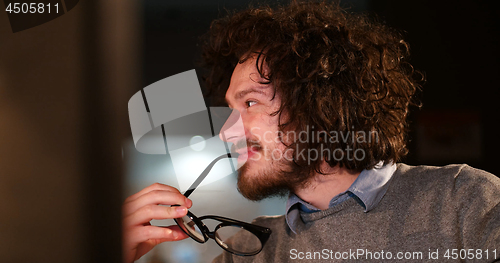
(268, 166)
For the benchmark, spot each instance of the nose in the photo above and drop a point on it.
(233, 129)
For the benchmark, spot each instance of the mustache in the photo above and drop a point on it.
(244, 143)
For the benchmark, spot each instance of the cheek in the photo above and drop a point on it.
(266, 134)
(262, 127)
(254, 129)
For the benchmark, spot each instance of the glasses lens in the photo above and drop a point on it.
(191, 228)
(251, 245)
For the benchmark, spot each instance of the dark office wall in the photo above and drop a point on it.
(64, 87)
(41, 190)
(456, 45)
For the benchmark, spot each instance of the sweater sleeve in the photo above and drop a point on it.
(241, 240)
(478, 208)
(224, 257)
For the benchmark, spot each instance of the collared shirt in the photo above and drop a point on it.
(368, 189)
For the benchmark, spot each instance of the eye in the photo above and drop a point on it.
(250, 103)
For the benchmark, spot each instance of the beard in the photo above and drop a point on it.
(277, 179)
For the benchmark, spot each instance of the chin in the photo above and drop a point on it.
(258, 184)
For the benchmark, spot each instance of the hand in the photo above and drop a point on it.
(139, 236)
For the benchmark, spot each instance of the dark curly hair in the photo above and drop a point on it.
(334, 71)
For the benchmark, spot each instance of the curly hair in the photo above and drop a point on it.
(337, 73)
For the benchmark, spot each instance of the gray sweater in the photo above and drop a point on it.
(429, 214)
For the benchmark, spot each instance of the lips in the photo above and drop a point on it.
(247, 152)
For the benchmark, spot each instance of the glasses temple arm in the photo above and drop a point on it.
(206, 171)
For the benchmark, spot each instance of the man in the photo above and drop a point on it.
(323, 97)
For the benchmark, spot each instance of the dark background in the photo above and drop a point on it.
(454, 43)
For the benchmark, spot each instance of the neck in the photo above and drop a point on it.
(323, 187)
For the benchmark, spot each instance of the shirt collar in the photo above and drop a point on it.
(369, 187)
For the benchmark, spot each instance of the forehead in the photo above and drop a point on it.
(246, 78)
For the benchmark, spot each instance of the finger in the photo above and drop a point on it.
(142, 234)
(156, 197)
(153, 187)
(178, 232)
(150, 212)
(144, 247)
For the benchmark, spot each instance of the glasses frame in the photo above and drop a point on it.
(262, 233)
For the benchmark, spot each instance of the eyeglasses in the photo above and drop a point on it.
(255, 236)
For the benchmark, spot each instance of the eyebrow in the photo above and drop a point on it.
(243, 93)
